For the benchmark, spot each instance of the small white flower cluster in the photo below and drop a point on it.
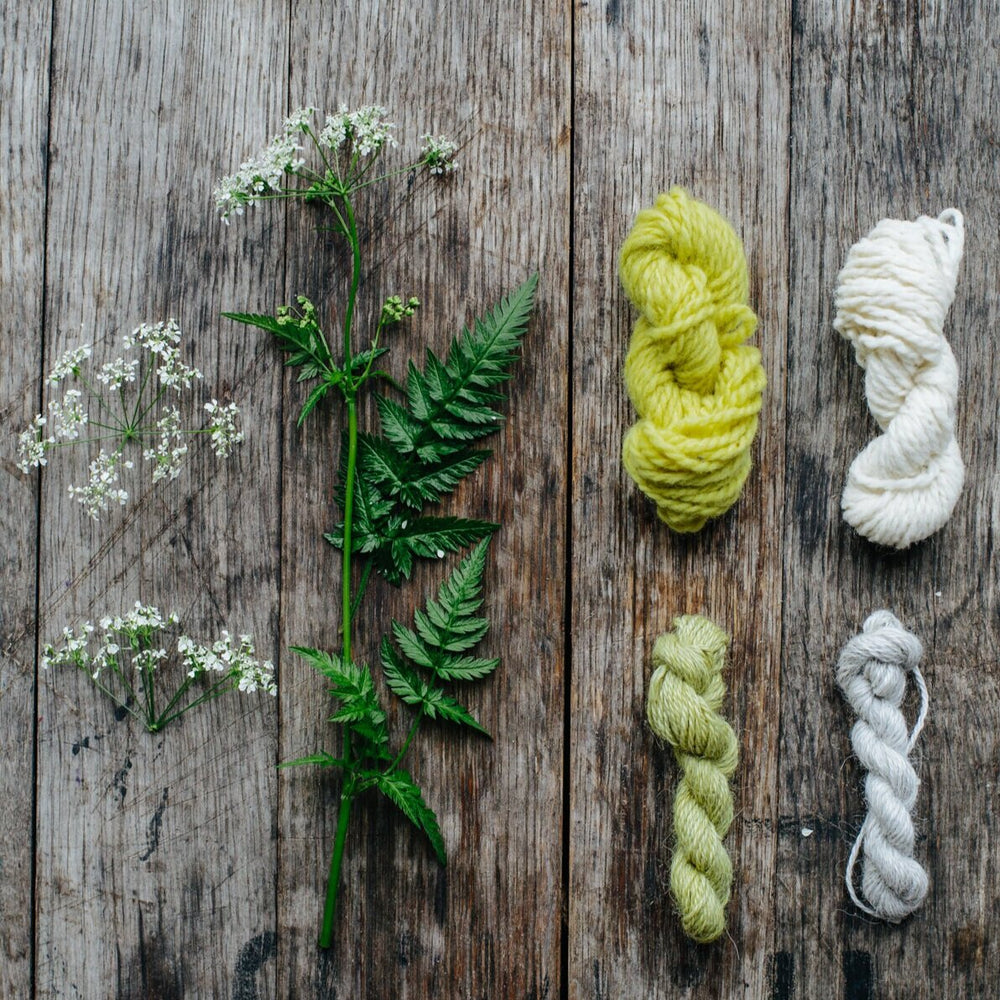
(367, 130)
(162, 340)
(136, 645)
(102, 489)
(140, 622)
(222, 425)
(64, 422)
(116, 373)
(262, 174)
(438, 153)
(132, 631)
(170, 449)
(73, 651)
(156, 338)
(69, 364)
(32, 444)
(69, 416)
(225, 656)
(355, 137)
(129, 419)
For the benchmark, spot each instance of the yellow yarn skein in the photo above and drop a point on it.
(694, 382)
(685, 694)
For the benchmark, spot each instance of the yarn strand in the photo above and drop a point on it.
(692, 379)
(892, 297)
(871, 672)
(685, 694)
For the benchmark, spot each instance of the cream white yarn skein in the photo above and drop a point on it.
(872, 674)
(892, 298)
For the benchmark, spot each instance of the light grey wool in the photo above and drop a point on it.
(871, 672)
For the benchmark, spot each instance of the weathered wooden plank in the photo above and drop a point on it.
(695, 94)
(893, 114)
(496, 76)
(24, 71)
(155, 855)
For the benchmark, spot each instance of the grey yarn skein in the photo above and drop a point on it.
(871, 672)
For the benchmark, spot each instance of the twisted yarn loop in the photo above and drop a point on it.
(693, 381)
(892, 298)
(872, 674)
(685, 695)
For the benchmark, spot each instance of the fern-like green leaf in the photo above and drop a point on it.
(438, 703)
(428, 440)
(466, 668)
(399, 787)
(432, 537)
(314, 397)
(299, 337)
(444, 630)
(404, 682)
(320, 759)
(358, 705)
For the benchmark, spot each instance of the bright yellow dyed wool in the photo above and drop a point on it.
(693, 380)
(685, 695)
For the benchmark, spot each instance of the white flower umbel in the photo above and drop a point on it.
(123, 408)
(222, 426)
(69, 416)
(344, 151)
(263, 174)
(32, 444)
(438, 153)
(69, 364)
(236, 660)
(116, 373)
(129, 658)
(170, 449)
(102, 490)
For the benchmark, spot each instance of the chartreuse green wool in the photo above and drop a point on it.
(685, 694)
(692, 378)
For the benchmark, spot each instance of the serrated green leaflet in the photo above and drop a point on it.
(399, 787)
(426, 446)
(444, 629)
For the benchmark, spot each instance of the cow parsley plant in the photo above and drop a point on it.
(428, 439)
(129, 410)
(147, 667)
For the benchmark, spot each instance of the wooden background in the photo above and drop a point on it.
(184, 865)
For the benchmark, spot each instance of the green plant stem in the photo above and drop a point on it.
(350, 392)
(134, 419)
(330, 909)
(352, 237)
(414, 726)
(114, 697)
(345, 562)
(366, 572)
(217, 689)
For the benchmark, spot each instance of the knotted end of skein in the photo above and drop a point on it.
(872, 672)
(694, 382)
(892, 298)
(685, 694)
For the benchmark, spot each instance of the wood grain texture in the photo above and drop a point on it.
(496, 76)
(893, 115)
(693, 94)
(24, 74)
(184, 865)
(155, 855)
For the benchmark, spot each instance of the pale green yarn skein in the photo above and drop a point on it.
(685, 694)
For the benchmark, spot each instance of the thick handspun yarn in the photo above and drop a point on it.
(694, 382)
(892, 298)
(872, 674)
(685, 694)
